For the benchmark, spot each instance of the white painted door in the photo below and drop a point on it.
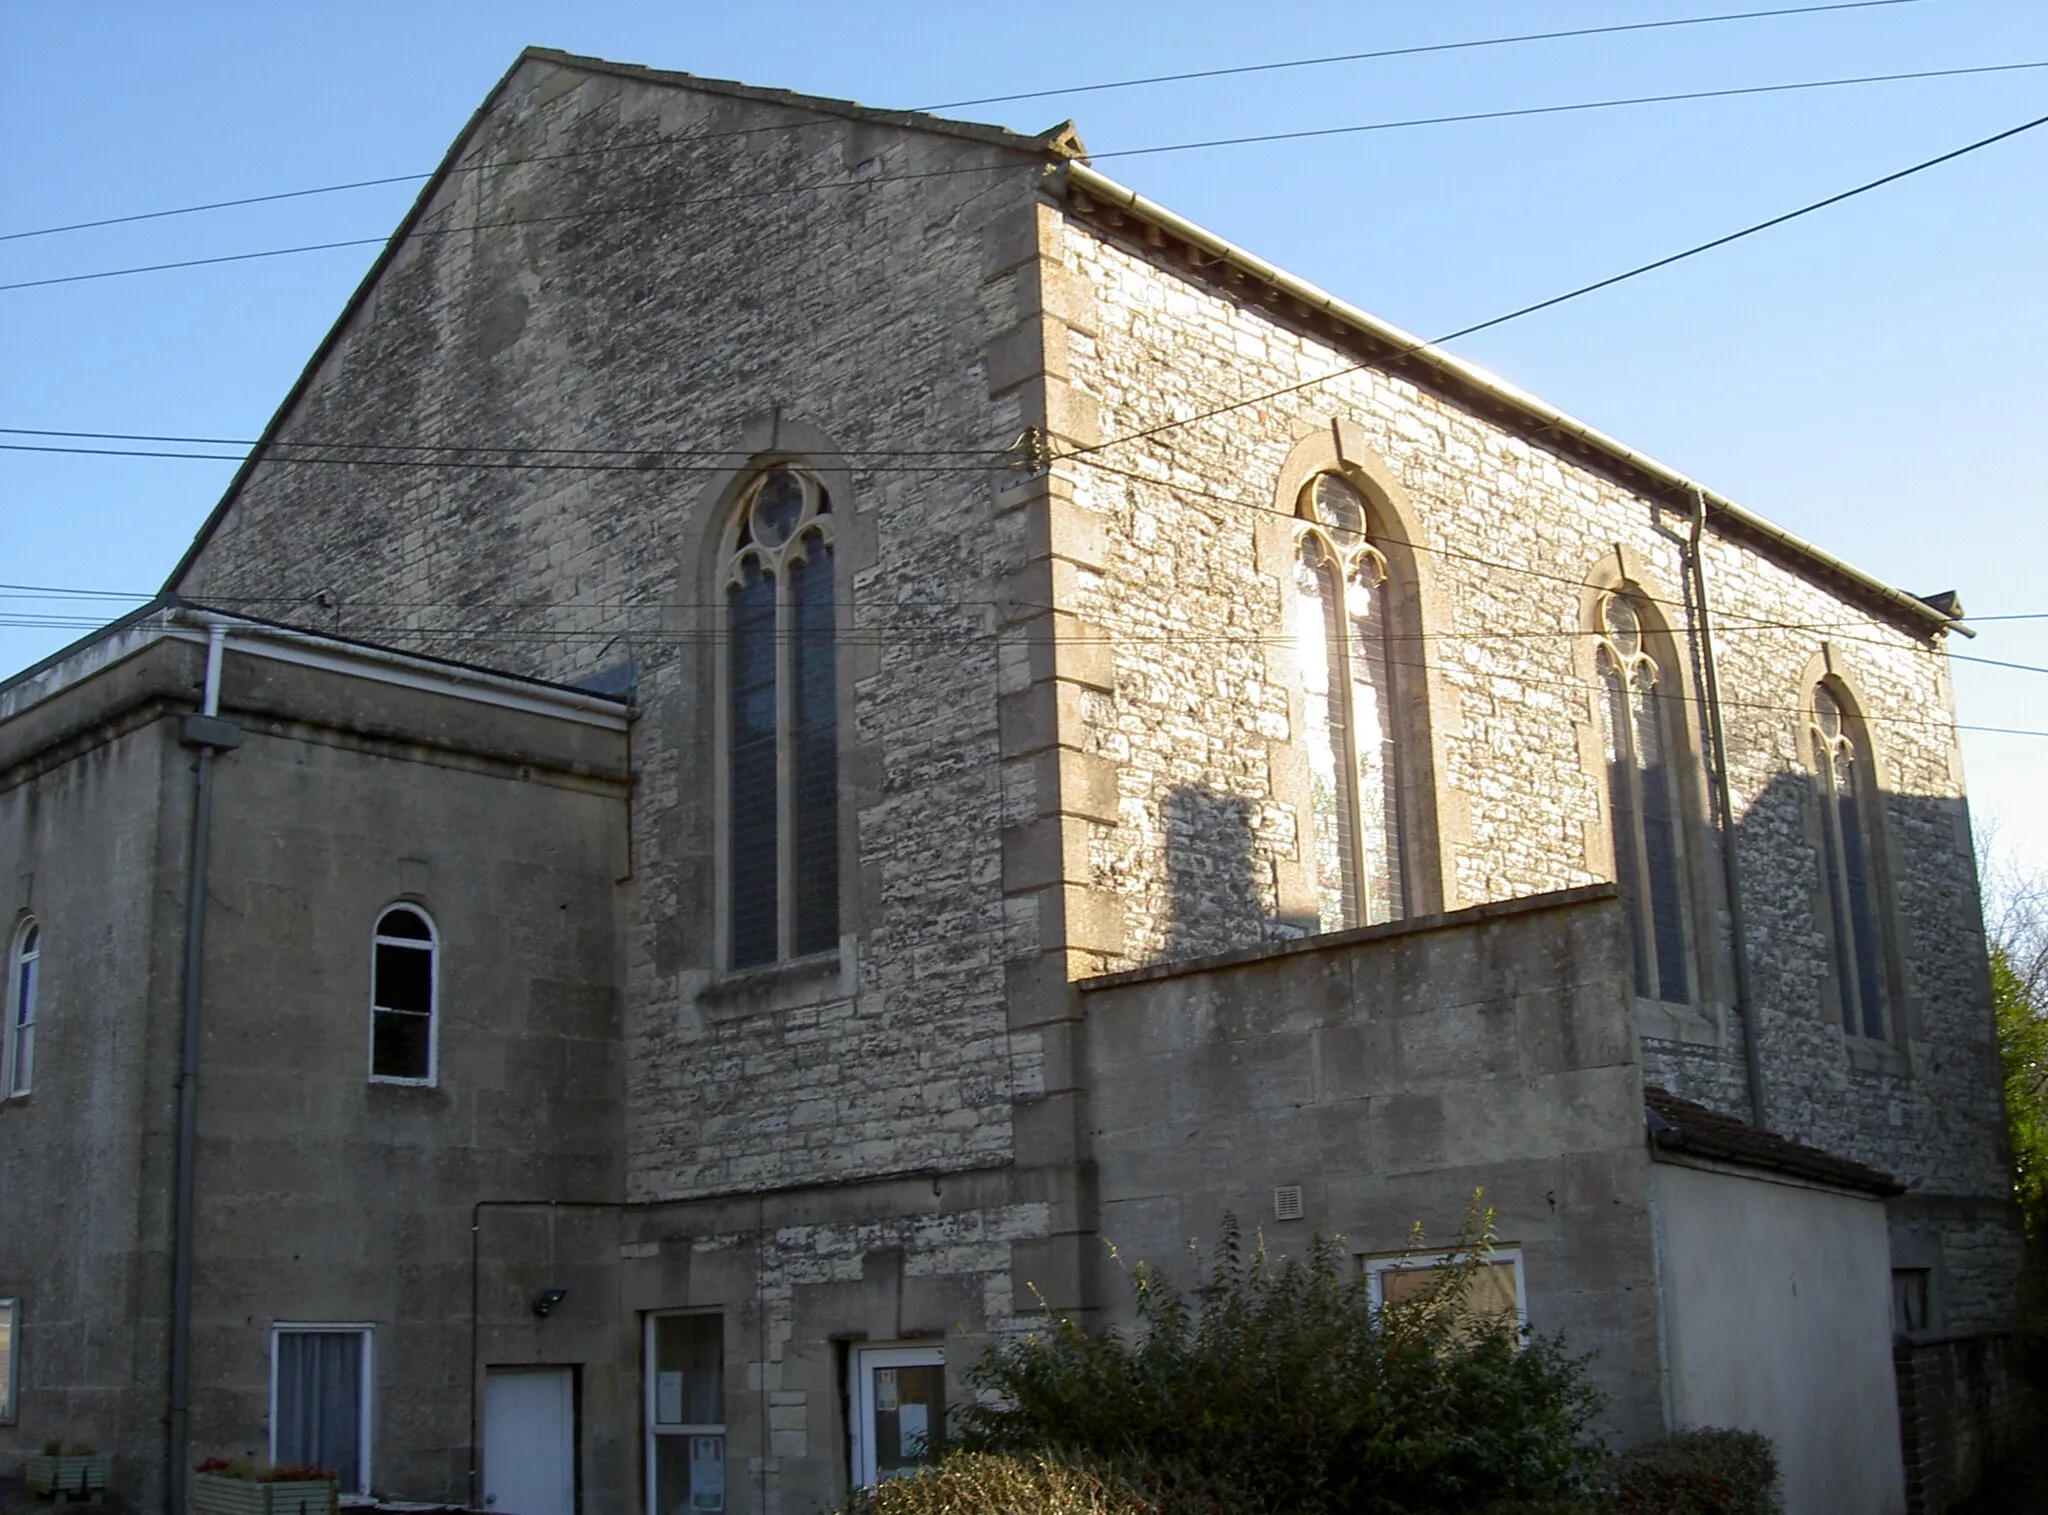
(898, 1403)
(530, 1441)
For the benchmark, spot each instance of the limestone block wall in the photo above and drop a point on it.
(1509, 541)
(726, 278)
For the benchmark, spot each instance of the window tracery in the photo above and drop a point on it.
(1842, 772)
(1642, 793)
(1342, 633)
(782, 797)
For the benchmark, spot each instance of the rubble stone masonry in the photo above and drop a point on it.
(1509, 540)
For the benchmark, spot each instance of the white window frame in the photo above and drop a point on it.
(365, 1332)
(860, 1396)
(650, 1428)
(10, 1362)
(18, 957)
(1377, 1268)
(433, 950)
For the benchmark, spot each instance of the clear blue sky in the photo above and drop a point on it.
(1871, 378)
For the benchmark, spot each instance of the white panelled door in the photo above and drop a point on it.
(530, 1441)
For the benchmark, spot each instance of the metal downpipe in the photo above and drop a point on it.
(1724, 805)
(178, 1418)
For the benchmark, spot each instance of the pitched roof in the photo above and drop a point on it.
(1678, 1125)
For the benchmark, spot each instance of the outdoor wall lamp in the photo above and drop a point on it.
(545, 1301)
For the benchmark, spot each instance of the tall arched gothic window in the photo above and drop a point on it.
(1842, 770)
(1642, 793)
(782, 752)
(1342, 635)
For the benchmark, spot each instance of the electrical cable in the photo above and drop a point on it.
(1584, 289)
(1040, 94)
(871, 180)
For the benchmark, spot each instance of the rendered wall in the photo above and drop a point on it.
(1391, 1072)
(1778, 1318)
(93, 840)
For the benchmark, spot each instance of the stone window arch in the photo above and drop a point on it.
(1354, 668)
(779, 685)
(1851, 860)
(1638, 686)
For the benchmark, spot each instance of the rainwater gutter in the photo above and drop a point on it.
(1071, 177)
(211, 736)
(1724, 808)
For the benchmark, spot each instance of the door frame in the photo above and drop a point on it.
(575, 1372)
(860, 1362)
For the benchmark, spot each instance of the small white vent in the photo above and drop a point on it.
(1287, 1202)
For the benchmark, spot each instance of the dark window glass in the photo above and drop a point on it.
(405, 978)
(320, 1403)
(754, 786)
(1642, 792)
(1848, 871)
(406, 923)
(1660, 845)
(814, 755)
(402, 997)
(1621, 798)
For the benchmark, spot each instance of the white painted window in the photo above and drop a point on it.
(24, 976)
(405, 976)
(1848, 863)
(898, 1401)
(781, 723)
(1643, 797)
(1496, 1287)
(1345, 650)
(10, 1358)
(684, 1412)
(320, 1378)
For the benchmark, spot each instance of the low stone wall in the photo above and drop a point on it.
(1962, 1407)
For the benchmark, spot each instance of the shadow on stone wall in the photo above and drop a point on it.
(1211, 875)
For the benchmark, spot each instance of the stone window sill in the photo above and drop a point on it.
(1867, 1056)
(1693, 1025)
(788, 985)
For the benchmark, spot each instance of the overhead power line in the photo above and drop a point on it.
(1571, 294)
(1038, 94)
(872, 180)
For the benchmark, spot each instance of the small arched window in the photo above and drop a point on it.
(1345, 647)
(23, 975)
(404, 997)
(782, 723)
(1642, 794)
(1842, 773)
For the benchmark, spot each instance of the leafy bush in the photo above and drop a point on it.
(1279, 1389)
(1703, 1472)
(980, 1483)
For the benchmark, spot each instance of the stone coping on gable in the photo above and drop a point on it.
(1331, 941)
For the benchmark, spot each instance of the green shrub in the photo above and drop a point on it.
(981, 1483)
(1703, 1472)
(1279, 1389)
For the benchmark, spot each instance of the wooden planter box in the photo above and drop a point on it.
(85, 1474)
(215, 1495)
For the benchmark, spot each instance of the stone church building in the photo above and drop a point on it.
(809, 715)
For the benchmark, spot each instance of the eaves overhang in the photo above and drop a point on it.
(1100, 201)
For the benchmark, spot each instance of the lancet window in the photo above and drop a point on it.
(1842, 770)
(1341, 608)
(1642, 792)
(782, 750)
